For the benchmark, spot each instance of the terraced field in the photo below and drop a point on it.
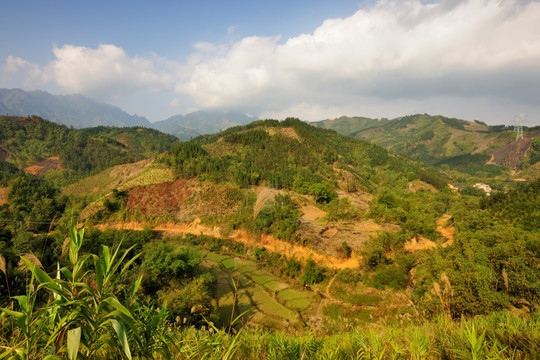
(269, 301)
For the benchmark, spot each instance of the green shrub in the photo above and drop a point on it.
(312, 274)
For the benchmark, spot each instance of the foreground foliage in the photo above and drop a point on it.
(77, 314)
(498, 336)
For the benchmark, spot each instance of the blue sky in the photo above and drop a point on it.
(471, 59)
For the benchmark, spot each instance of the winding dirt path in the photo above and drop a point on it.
(447, 231)
(328, 295)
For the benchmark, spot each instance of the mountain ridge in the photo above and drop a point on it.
(79, 111)
(69, 110)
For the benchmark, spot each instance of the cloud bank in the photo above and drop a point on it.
(394, 51)
(389, 58)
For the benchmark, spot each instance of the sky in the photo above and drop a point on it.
(469, 59)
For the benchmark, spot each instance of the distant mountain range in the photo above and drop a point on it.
(201, 122)
(70, 110)
(79, 111)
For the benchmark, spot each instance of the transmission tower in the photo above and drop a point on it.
(518, 127)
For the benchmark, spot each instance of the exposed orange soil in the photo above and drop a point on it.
(4, 195)
(311, 213)
(42, 167)
(447, 232)
(267, 241)
(289, 132)
(421, 243)
(297, 251)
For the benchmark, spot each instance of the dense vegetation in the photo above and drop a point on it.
(8, 172)
(263, 152)
(78, 320)
(30, 140)
(491, 264)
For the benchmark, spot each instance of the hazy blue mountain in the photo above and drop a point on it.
(71, 110)
(81, 112)
(201, 122)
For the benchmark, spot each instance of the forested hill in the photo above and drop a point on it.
(439, 140)
(39, 145)
(346, 125)
(291, 155)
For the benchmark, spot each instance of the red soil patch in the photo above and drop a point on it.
(42, 167)
(159, 199)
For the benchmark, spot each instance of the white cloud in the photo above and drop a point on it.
(391, 50)
(14, 64)
(17, 70)
(108, 72)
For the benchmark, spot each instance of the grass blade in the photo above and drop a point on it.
(73, 342)
(122, 336)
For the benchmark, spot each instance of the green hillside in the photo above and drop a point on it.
(471, 147)
(72, 153)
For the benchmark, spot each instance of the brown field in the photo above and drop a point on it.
(42, 167)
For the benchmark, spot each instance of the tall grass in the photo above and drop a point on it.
(498, 336)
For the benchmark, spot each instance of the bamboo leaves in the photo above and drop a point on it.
(78, 319)
(73, 342)
(121, 332)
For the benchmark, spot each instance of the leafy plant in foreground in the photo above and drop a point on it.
(77, 314)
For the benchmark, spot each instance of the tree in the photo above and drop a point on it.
(313, 273)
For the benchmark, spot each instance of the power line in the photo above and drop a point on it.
(518, 127)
